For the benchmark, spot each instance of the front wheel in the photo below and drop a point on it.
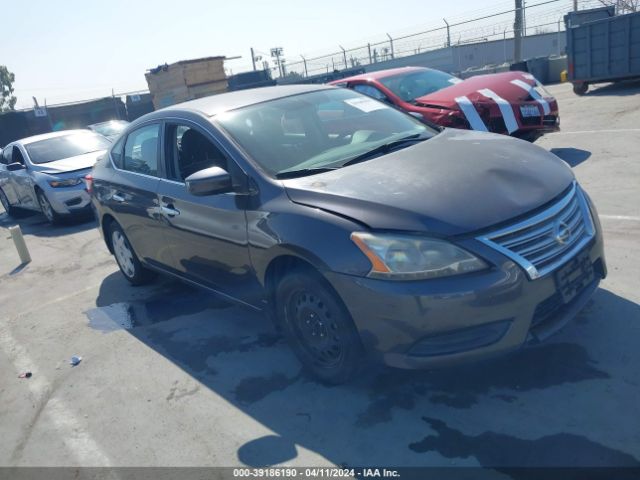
(47, 210)
(318, 327)
(127, 259)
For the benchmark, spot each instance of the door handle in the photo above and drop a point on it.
(117, 197)
(169, 211)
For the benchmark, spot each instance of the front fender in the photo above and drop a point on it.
(310, 234)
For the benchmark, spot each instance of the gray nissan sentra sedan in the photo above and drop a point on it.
(362, 232)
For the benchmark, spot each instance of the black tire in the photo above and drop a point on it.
(11, 211)
(47, 209)
(318, 327)
(580, 88)
(129, 263)
(531, 136)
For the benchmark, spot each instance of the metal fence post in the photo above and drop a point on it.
(504, 44)
(304, 60)
(448, 33)
(369, 49)
(558, 40)
(344, 56)
(391, 43)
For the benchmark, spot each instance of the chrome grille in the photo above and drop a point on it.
(543, 242)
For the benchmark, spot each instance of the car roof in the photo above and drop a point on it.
(379, 74)
(225, 102)
(47, 136)
(99, 124)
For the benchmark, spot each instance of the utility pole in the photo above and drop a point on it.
(524, 18)
(517, 33)
(448, 33)
(115, 104)
(253, 59)
(276, 52)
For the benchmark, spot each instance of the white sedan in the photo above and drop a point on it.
(46, 172)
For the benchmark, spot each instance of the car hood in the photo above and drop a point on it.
(499, 83)
(70, 164)
(455, 183)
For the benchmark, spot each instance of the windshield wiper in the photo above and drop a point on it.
(385, 148)
(303, 172)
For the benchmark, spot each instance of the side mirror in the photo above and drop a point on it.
(210, 181)
(12, 167)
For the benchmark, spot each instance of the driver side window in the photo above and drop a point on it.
(189, 151)
(17, 156)
(371, 91)
(6, 155)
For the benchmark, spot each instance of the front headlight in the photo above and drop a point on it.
(403, 257)
(67, 182)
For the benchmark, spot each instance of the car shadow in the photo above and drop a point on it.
(531, 408)
(34, 223)
(573, 156)
(618, 89)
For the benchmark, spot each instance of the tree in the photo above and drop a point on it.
(622, 6)
(7, 100)
(291, 75)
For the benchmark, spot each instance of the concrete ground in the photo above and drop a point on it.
(172, 376)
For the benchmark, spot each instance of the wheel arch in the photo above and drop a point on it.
(37, 189)
(279, 264)
(105, 224)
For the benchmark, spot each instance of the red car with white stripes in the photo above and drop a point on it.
(511, 103)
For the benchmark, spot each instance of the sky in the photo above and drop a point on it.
(69, 50)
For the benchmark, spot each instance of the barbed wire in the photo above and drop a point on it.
(433, 37)
(436, 37)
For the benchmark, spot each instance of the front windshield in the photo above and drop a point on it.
(415, 84)
(322, 129)
(72, 145)
(109, 129)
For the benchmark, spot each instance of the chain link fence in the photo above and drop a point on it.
(540, 17)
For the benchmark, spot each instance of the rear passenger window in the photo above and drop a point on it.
(141, 151)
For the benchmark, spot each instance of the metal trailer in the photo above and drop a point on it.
(604, 50)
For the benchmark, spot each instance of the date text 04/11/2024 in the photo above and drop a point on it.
(318, 472)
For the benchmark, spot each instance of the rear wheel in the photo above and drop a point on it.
(47, 210)
(6, 205)
(127, 260)
(318, 327)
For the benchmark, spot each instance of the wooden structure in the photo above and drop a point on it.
(186, 80)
